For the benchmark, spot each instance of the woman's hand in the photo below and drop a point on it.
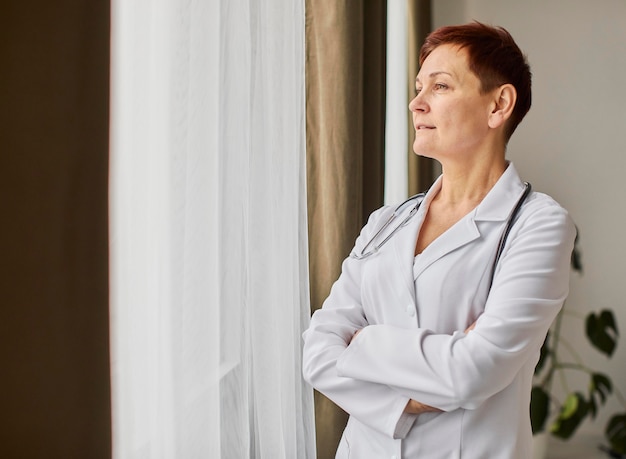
(415, 407)
(354, 336)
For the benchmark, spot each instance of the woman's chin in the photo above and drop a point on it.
(421, 151)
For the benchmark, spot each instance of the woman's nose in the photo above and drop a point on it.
(418, 103)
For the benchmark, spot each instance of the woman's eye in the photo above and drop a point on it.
(441, 86)
(417, 91)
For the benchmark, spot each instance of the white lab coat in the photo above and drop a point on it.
(413, 313)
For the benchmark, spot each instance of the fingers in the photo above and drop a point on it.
(471, 327)
(415, 407)
(354, 336)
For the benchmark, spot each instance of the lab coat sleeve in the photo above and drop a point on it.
(331, 328)
(463, 370)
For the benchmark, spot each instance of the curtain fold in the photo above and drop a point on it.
(209, 278)
(345, 100)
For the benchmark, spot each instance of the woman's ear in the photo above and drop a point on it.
(504, 103)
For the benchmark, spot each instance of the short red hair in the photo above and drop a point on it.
(494, 58)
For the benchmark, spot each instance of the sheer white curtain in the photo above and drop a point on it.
(209, 286)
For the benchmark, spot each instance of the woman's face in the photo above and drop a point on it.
(450, 115)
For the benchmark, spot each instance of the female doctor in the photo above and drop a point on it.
(427, 340)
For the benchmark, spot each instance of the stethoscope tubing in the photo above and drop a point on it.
(511, 220)
(364, 253)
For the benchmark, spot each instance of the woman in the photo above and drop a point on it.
(424, 340)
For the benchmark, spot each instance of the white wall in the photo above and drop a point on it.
(572, 144)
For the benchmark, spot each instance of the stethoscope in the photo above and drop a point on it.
(367, 253)
(371, 248)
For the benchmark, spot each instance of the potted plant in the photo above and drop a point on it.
(565, 416)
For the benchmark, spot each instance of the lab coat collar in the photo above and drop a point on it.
(496, 206)
(501, 199)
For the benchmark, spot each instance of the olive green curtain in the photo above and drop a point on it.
(54, 88)
(421, 170)
(345, 118)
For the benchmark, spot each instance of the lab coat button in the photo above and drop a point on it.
(410, 310)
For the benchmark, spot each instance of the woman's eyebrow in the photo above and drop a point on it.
(434, 74)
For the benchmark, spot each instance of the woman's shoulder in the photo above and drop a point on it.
(541, 208)
(542, 202)
(398, 208)
(390, 212)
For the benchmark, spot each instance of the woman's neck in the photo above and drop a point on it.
(466, 184)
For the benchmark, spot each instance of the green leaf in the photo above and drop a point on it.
(576, 260)
(602, 331)
(543, 353)
(607, 317)
(616, 433)
(593, 408)
(601, 385)
(572, 414)
(539, 405)
(571, 406)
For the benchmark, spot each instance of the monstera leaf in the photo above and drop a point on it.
(602, 331)
(576, 259)
(616, 433)
(572, 414)
(543, 354)
(600, 386)
(539, 408)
